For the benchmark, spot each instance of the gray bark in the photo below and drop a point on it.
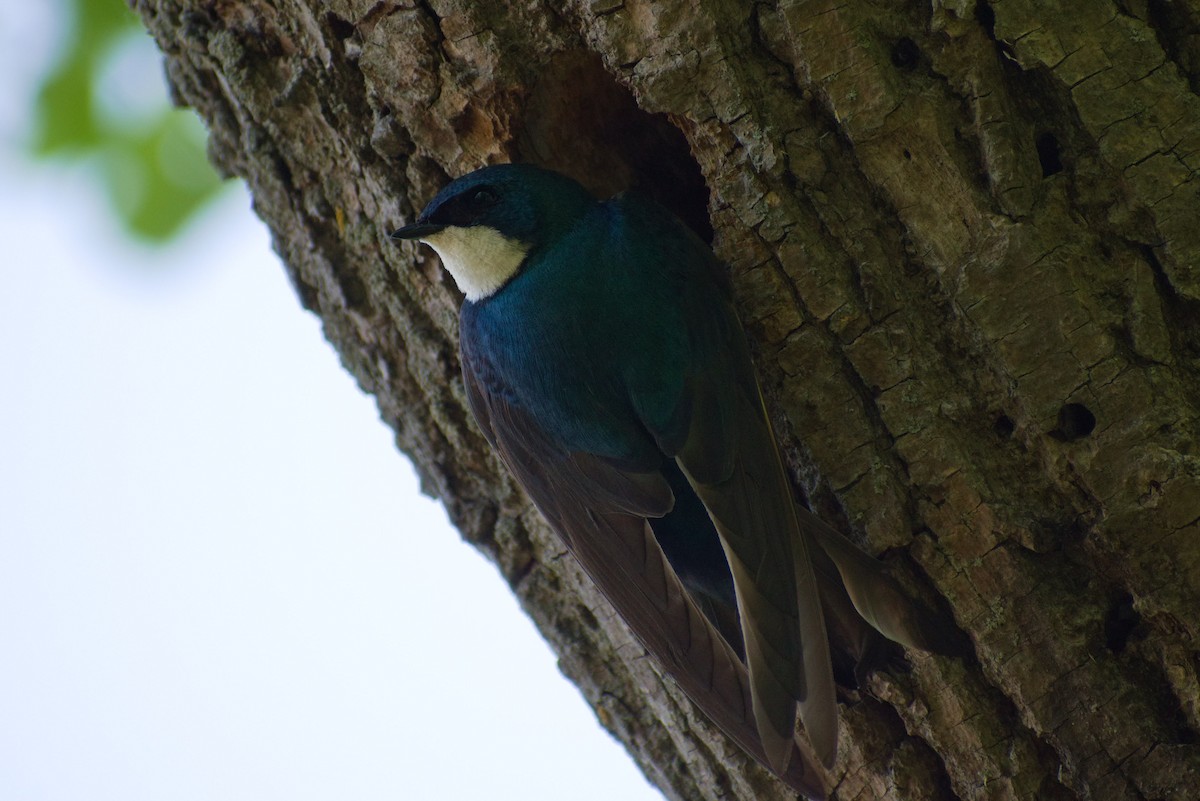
(965, 241)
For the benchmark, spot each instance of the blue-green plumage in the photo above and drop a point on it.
(604, 371)
(603, 360)
(600, 353)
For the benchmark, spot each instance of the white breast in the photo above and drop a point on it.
(480, 259)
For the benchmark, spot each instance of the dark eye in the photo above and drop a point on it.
(468, 207)
(483, 197)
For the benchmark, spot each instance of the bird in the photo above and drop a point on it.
(603, 359)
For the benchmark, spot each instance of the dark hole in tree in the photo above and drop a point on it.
(1075, 421)
(905, 54)
(1004, 426)
(1120, 623)
(1048, 154)
(341, 28)
(987, 18)
(581, 122)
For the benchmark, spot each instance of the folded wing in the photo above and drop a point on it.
(600, 512)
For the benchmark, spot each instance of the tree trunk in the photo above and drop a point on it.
(965, 241)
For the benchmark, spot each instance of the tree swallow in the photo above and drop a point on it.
(603, 360)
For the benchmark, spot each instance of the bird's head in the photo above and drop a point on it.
(484, 224)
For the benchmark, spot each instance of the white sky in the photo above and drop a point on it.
(217, 577)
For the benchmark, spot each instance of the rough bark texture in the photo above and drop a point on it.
(965, 239)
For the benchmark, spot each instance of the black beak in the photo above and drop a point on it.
(417, 230)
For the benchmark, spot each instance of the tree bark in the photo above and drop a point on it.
(965, 240)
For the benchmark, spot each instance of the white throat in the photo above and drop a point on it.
(481, 259)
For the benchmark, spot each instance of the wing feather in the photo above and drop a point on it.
(732, 461)
(879, 598)
(725, 447)
(787, 647)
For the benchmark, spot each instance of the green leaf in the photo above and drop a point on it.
(154, 167)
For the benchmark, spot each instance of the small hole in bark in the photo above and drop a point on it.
(1048, 154)
(1075, 421)
(342, 28)
(905, 54)
(1004, 426)
(1120, 623)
